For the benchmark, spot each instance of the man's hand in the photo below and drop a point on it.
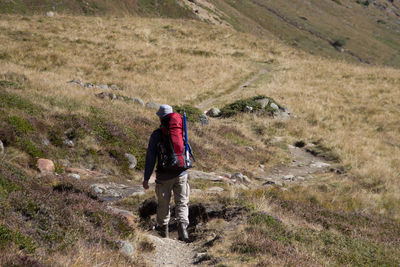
(146, 184)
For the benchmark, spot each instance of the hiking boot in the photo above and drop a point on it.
(182, 233)
(163, 230)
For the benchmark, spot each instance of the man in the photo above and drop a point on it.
(167, 181)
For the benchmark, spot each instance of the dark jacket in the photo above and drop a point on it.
(151, 158)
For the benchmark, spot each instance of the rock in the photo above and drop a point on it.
(50, 14)
(263, 102)
(249, 148)
(76, 81)
(203, 176)
(274, 106)
(76, 176)
(272, 182)
(45, 166)
(215, 189)
(1, 148)
(261, 166)
(204, 120)
(214, 112)
(103, 86)
(89, 85)
(136, 194)
(248, 109)
(68, 143)
(300, 178)
(319, 164)
(138, 101)
(124, 214)
(288, 177)
(132, 160)
(240, 178)
(152, 105)
(114, 87)
(282, 115)
(104, 95)
(196, 191)
(125, 248)
(46, 142)
(97, 189)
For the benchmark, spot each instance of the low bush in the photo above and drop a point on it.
(192, 113)
(249, 105)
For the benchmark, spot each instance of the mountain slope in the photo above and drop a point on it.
(343, 29)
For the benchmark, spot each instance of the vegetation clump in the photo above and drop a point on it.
(192, 113)
(251, 105)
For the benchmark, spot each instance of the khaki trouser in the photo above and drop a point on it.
(181, 189)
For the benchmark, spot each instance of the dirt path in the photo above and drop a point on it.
(208, 102)
(170, 252)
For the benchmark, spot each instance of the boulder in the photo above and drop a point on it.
(263, 102)
(138, 101)
(125, 248)
(103, 86)
(204, 120)
(240, 178)
(152, 105)
(45, 166)
(274, 106)
(124, 214)
(132, 160)
(214, 112)
(1, 148)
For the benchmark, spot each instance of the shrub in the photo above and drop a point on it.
(21, 125)
(192, 113)
(243, 104)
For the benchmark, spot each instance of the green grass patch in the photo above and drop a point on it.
(8, 236)
(21, 125)
(9, 100)
(249, 105)
(192, 113)
(9, 84)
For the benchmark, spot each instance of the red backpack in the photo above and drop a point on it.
(172, 155)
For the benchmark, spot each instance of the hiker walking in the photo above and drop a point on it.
(169, 147)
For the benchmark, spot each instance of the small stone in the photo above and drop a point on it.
(249, 148)
(102, 95)
(138, 101)
(46, 142)
(45, 166)
(1, 148)
(248, 109)
(68, 143)
(125, 248)
(319, 165)
(112, 96)
(239, 177)
(136, 194)
(97, 189)
(76, 81)
(261, 166)
(214, 112)
(89, 85)
(300, 178)
(152, 105)
(274, 106)
(204, 120)
(50, 14)
(196, 191)
(288, 177)
(132, 160)
(264, 102)
(76, 176)
(114, 87)
(215, 189)
(103, 86)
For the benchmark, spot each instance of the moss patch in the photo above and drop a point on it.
(249, 105)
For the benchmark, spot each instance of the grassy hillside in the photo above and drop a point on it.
(347, 109)
(358, 31)
(165, 8)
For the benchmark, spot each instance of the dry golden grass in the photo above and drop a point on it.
(352, 108)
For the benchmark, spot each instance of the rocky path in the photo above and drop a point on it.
(170, 252)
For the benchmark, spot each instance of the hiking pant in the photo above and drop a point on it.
(181, 189)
